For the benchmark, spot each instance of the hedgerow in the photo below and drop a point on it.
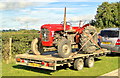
(21, 42)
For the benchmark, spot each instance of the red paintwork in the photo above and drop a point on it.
(58, 27)
(55, 27)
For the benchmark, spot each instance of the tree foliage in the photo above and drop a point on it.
(108, 15)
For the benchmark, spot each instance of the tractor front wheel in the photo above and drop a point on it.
(64, 48)
(36, 46)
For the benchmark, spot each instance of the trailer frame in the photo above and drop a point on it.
(51, 60)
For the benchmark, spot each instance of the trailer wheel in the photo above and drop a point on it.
(64, 48)
(89, 62)
(37, 47)
(78, 64)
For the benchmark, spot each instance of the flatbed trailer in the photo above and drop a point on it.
(51, 60)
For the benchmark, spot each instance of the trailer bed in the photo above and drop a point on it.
(52, 57)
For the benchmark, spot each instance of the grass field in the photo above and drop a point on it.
(102, 65)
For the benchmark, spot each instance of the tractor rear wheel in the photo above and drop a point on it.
(90, 47)
(36, 46)
(64, 48)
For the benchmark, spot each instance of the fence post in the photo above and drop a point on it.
(10, 53)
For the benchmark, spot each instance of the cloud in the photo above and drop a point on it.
(29, 27)
(88, 0)
(14, 5)
(2, 6)
(83, 17)
(57, 8)
(6, 28)
(75, 20)
(27, 20)
(29, 0)
(37, 27)
(58, 0)
(21, 23)
(45, 14)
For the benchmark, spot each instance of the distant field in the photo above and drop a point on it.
(102, 65)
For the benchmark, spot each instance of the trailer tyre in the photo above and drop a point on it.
(78, 64)
(36, 46)
(64, 48)
(89, 62)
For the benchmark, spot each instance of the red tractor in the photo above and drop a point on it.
(63, 36)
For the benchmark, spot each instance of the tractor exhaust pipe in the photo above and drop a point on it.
(80, 23)
(64, 18)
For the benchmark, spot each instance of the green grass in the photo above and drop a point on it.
(102, 65)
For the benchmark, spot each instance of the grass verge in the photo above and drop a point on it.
(102, 65)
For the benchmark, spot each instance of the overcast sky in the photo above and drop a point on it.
(32, 14)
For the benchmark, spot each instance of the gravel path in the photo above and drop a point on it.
(113, 74)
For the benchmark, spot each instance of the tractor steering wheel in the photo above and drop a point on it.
(67, 23)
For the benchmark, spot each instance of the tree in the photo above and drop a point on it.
(107, 15)
(119, 12)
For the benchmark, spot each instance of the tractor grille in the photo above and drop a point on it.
(45, 34)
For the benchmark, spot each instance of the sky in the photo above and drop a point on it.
(32, 14)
